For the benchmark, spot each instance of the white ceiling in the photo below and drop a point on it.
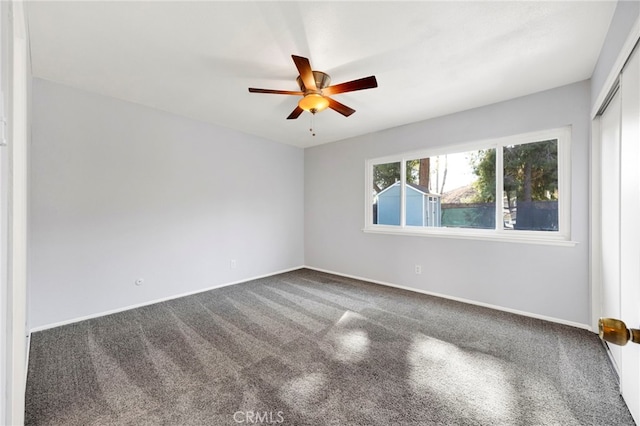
(197, 59)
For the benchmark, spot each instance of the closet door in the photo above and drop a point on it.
(610, 215)
(620, 223)
(630, 227)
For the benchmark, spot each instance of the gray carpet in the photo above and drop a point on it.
(308, 348)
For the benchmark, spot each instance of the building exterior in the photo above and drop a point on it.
(422, 209)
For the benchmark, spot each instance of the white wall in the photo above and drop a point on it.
(120, 191)
(547, 281)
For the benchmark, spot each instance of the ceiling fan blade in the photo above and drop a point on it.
(275, 92)
(341, 108)
(306, 74)
(295, 113)
(351, 86)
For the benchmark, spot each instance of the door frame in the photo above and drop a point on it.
(13, 213)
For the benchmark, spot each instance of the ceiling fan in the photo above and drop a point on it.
(315, 90)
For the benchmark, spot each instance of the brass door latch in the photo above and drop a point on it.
(615, 331)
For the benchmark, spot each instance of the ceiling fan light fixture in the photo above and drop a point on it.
(313, 102)
(316, 92)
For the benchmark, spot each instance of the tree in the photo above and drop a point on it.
(530, 172)
(484, 166)
(424, 172)
(427, 173)
(418, 172)
(385, 175)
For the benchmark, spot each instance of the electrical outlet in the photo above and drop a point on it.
(418, 269)
(232, 264)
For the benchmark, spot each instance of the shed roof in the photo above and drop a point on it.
(421, 189)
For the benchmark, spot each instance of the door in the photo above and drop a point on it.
(620, 224)
(630, 227)
(610, 216)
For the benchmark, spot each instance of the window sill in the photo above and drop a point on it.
(525, 237)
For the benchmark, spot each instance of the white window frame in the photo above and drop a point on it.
(561, 237)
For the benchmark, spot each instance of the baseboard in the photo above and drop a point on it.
(459, 299)
(444, 296)
(26, 365)
(612, 362)
(152, 302)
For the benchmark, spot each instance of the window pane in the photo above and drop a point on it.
(386, 194)
(531, 186)
(452, 190)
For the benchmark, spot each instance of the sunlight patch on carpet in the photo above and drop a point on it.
(349, 344)
(477, 382)
(304, 391)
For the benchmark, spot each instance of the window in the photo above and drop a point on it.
(452, 191)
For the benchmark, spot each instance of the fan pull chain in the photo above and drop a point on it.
(313, 115)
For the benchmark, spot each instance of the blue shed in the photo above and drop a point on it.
(423, 207)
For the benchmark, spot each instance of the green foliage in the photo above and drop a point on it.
(413, 171)
(530, 172)
(484, 166)
(385, 175)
